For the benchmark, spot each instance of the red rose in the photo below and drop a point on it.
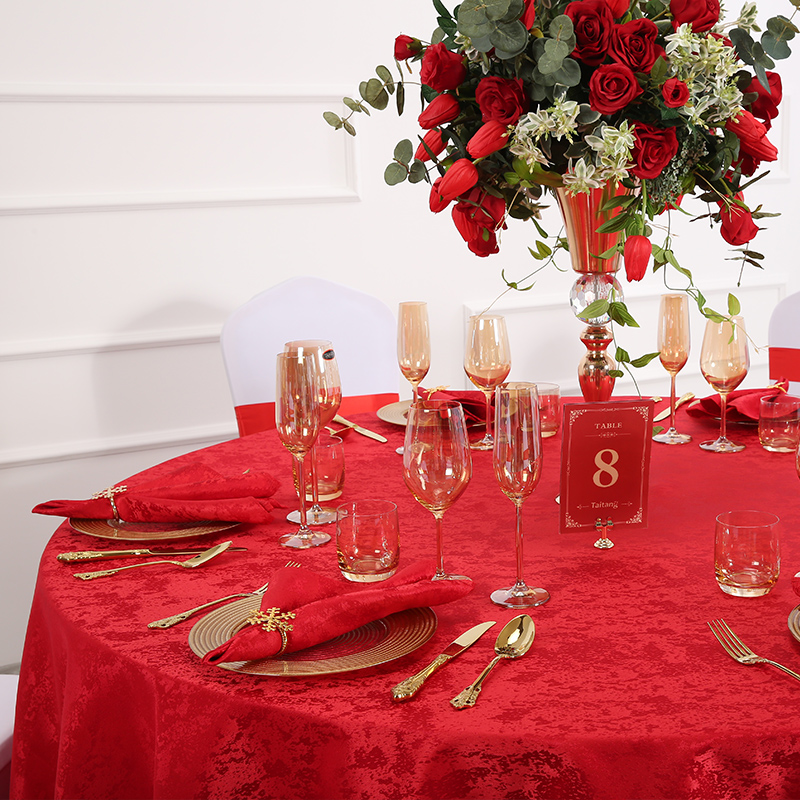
(754, 147)
(593, 24)
(477, 218)
(738, 227)
(436, 202)
(617, 7)
(458, 179)
(406, 47)
(612, 87)
(634, 44)
(765, 106)
(435, 143)
(442, 69)
(636, 256)
(529, 14)
(443, 108)
(675, 93)
(653, 149)
(501, 99)
(702, 15)
(489, 138)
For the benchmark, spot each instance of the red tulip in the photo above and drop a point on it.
(637, 255)
(489, 138)
(738, 227)
(458, 179)
(443, 108)
(435, 143)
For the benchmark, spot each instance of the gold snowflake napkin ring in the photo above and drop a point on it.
(273, 619)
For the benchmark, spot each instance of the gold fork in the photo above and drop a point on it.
(168, 622)
(738, 650)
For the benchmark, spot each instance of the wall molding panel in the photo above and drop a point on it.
(95, 344)
(196, 139)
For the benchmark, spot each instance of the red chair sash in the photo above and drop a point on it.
(784, 363)
(261, 416)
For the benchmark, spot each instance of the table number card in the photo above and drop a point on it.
(605, 464)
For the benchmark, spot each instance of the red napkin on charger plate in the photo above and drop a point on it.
(743, 405)
(324, 608)
(473, 402)
(192, 493)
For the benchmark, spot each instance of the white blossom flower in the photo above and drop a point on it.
(580, 177)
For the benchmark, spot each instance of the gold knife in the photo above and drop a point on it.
(98, 555)
(406, 689)
(358, 429)
(679, 402)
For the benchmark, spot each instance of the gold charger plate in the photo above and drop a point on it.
(794, 623)
(394, 413)
(146, 531)
(371, 644)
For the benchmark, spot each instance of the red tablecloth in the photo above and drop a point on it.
(624, 694)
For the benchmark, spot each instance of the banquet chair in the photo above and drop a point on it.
(784, 342)
(8, 700)
(361, 328)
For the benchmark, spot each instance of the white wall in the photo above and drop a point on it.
(163, 162)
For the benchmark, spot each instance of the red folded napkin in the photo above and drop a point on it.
(192, 493)
(323, 608)
(743, 405)
(472, 401)
(796, 584)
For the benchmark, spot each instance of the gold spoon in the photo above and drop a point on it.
(512, 642)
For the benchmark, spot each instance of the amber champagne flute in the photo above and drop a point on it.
(487, 362)
(673, 351)
(517, 458)
(413, 345)
(437, 464)
(330, 398)
(724, 361)
(297, 421)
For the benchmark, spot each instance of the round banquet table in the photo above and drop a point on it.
(624, 694)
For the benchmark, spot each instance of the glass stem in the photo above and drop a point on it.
(301, 471)
(313, 477)
(673, 376)
(488, 413)
(723, 408)
(518, 505)
(439, 545)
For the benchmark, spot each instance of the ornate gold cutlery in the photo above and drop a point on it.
(406, 689)
(98, 555)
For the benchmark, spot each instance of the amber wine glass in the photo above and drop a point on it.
(487, 362)
(330, 398)
(297, 421)
(673, 352)
(413, 344)
(437, 464)
(517, 458)
(724, 361)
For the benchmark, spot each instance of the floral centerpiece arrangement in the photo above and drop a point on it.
(524, 97)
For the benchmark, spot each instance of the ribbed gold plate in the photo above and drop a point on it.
(394, 413)
(146, 531)
(371, 644)
(794, 623)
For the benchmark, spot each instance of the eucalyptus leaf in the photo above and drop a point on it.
(569, 74)
(334, 120)
(352, 104)
(483, 44)
(774, 46)
(516, 8)
(512, 39)
(348, 127)
(384, 74)
(496, 9)
(472, 13)
(561, 28)
(404, 151)
(400, 98)
(418, 172)
(395, 173)
(743, 42)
